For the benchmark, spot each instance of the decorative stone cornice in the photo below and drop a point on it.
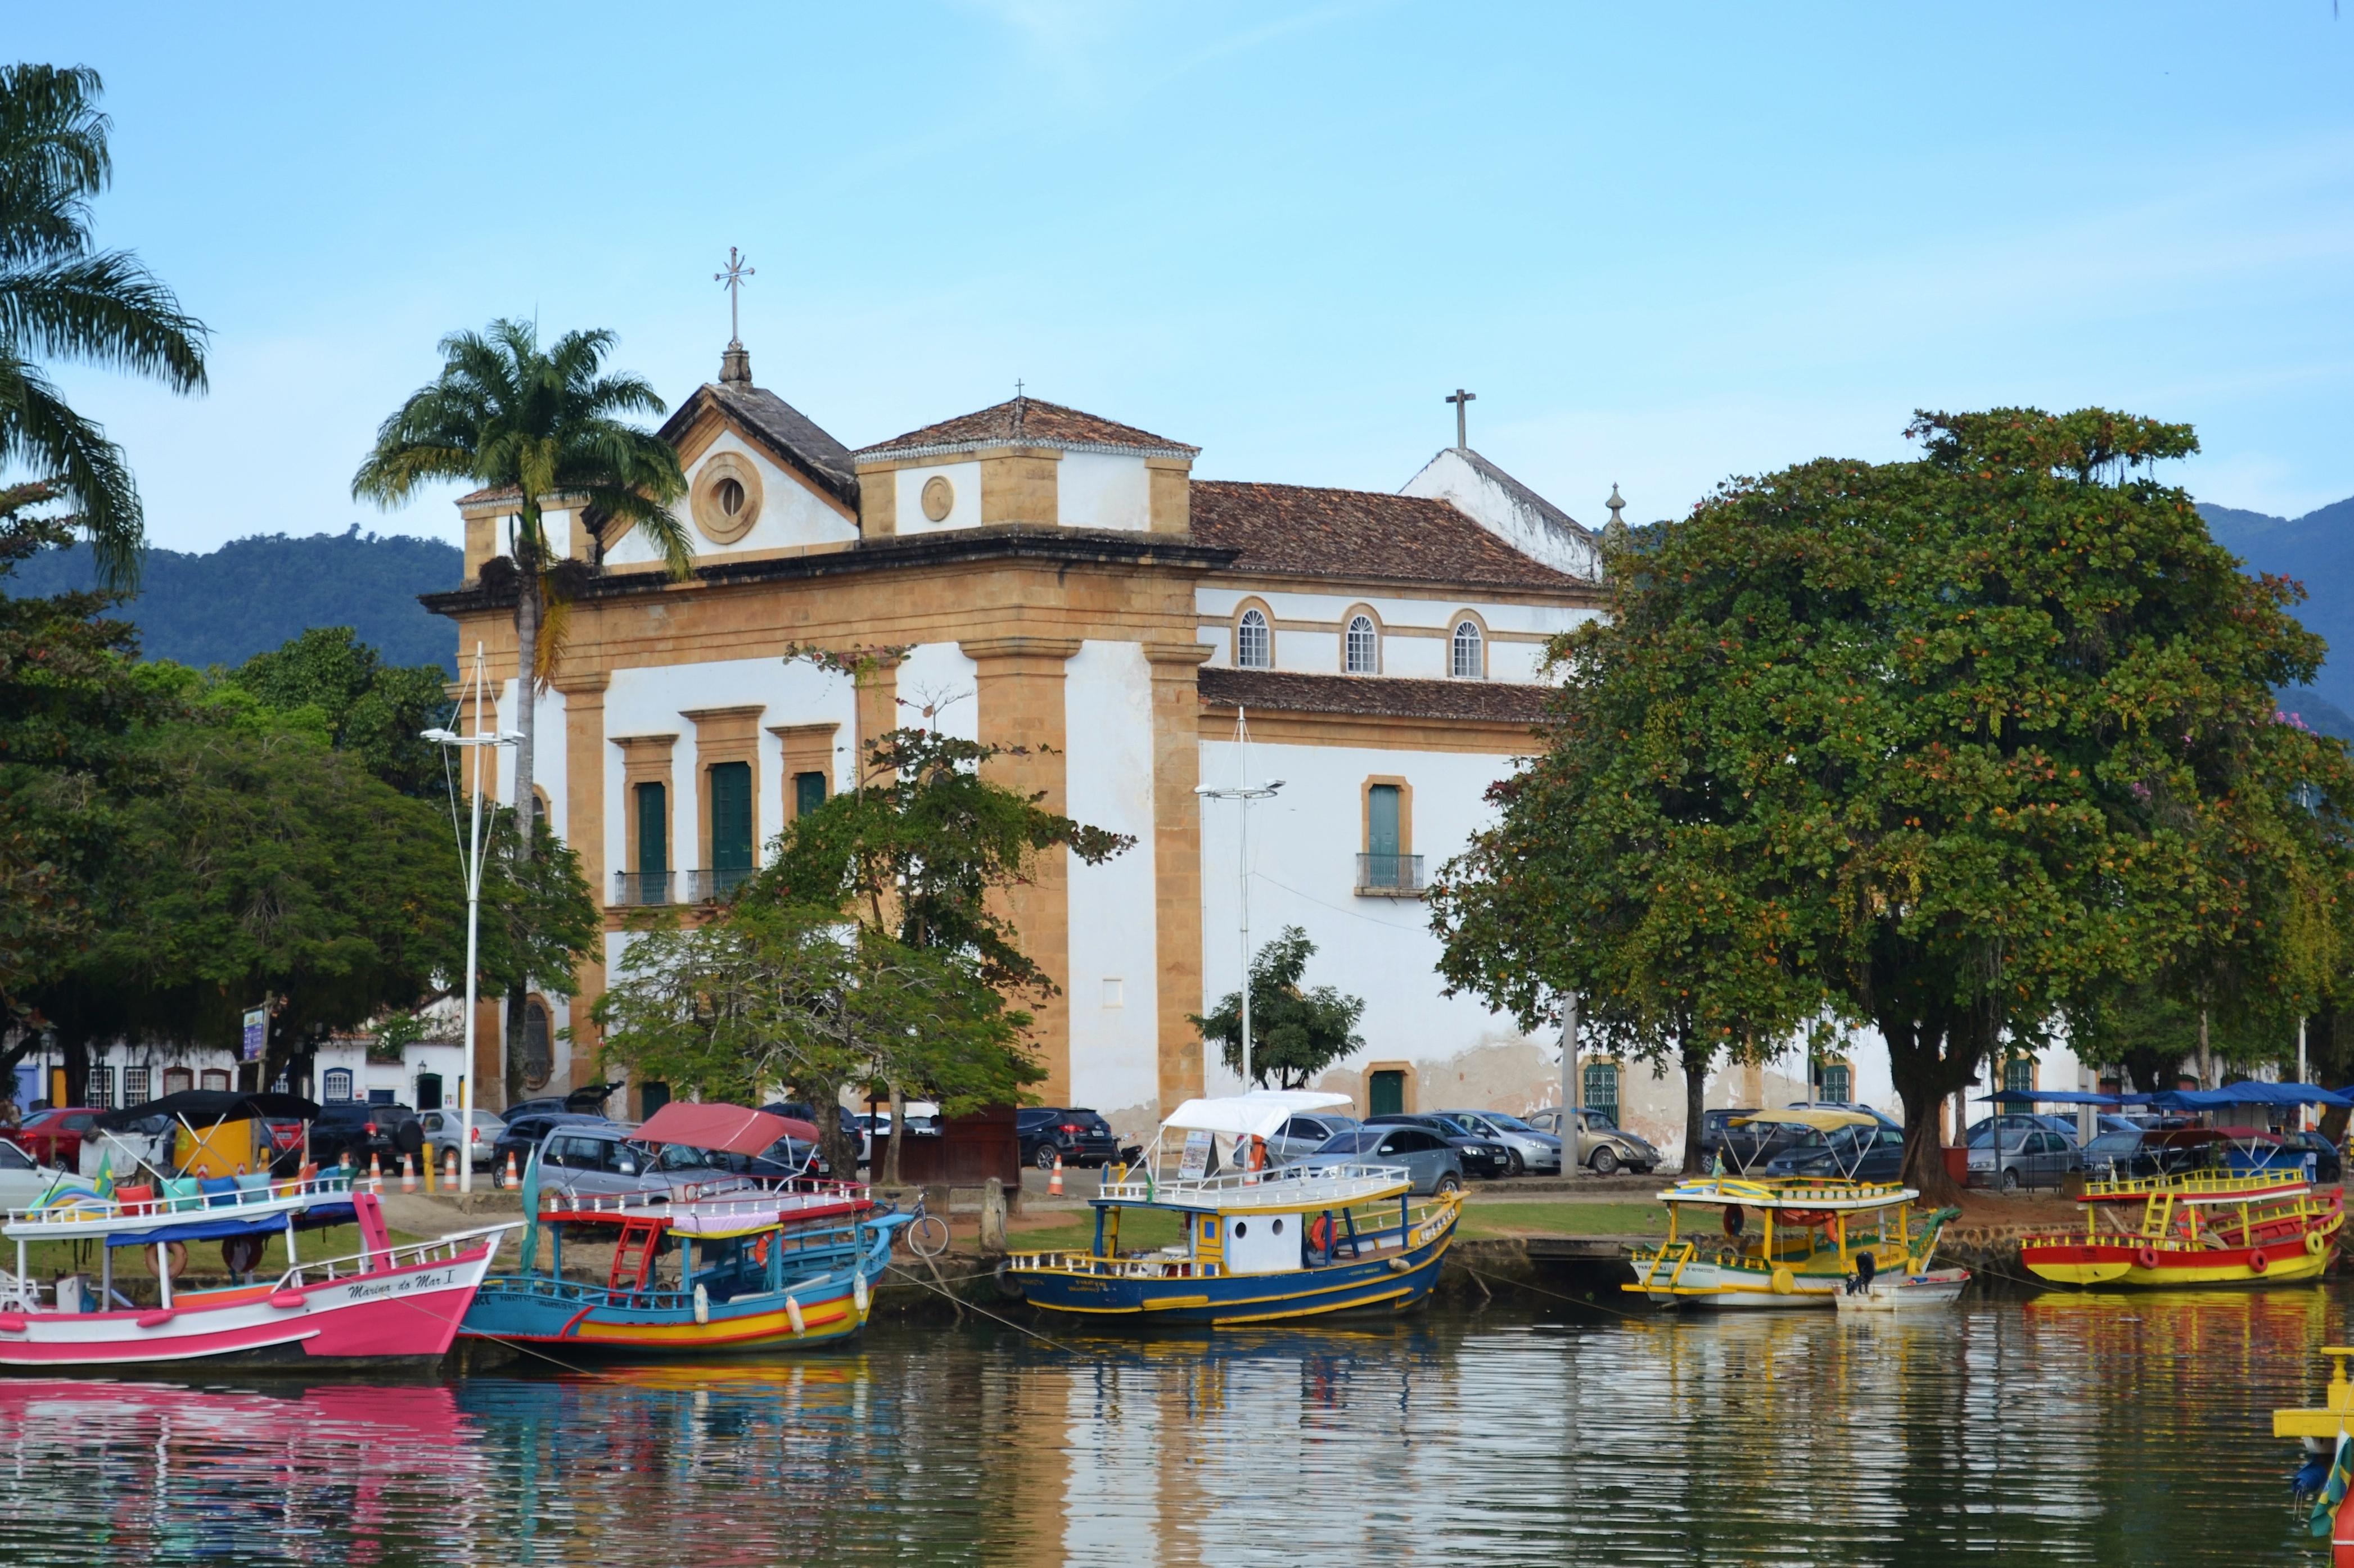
(980, 648)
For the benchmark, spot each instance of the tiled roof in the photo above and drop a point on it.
(492, 492)
(1032, 419)
(1298, 529)
(790, 436)
(1499, 702)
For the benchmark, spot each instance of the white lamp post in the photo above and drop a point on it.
(472, 866)
(1245, 793)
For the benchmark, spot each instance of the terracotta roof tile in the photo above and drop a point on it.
(790, 436)
(1500, 702)
(1030, 420)
(1297, 528)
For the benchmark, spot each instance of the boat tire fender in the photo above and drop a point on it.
(793, 1316)
(2258, 1264)
(1785, 1282)
(702, 1305)
(863, 1298)
(1007, 1286)
(2315, 1244)
(2146, 1258)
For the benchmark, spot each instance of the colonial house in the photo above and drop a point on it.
(1061, 581)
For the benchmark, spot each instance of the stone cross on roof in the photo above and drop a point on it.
(1462, 401)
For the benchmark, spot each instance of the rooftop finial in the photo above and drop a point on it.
(1462, 401)
(736, 363)
(1615, 533)
(1021, 404)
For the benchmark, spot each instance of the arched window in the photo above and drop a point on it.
(1469, 662)
(1838, 1083)
(336, 1085)
(1602, 1089)
(1365, 647)
(216, 1079)
(178, 1080)
(1254, 644)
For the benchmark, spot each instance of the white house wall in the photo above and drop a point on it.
(1113, 991)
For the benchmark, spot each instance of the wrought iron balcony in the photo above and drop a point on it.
(709, 886)
(1389, 876)
(641, 888)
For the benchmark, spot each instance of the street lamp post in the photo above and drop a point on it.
(1246, 792)
(479, 741)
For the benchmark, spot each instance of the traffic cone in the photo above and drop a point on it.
(408, 1175)
(376, 1174)
(1054, 1182)
(512, 1178)
(449, 1170)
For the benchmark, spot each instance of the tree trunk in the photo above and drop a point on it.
(1927, 1061)
(1695, 1062)
(899, 1130)
(2206, 1055)
(73, 1055)
(526, 803)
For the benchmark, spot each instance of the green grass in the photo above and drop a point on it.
(1140, 1230)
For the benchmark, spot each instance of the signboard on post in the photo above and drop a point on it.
(257, 1035)
(1196, 1160)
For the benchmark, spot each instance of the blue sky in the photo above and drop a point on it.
(1662, 244)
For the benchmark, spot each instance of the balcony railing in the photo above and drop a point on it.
(642, 888)
(1389, 875)
(709, 886)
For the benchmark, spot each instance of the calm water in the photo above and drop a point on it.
(2047, 1429)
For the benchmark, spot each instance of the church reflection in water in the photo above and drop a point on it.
(2055, 1428)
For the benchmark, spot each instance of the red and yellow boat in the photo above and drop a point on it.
(2202, 1227)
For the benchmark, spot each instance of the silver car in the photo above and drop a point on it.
(1428, 1157)
(607, 1161)
(442, 1136)
(1304, 1135)
(1603, 1146)
(1532, 1150)
(2031, 1157)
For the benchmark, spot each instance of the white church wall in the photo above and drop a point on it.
(964, 497)
(1304, 848)
(1103, 490)
(791, 516)
(1113, 988)
(547, 752)
(1415, 633)
(937, 675)
(1453, 477)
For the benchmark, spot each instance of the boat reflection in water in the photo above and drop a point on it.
(2055, 1429)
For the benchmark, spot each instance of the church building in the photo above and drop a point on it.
(1062, 582)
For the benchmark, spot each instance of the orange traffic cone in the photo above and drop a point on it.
(1054, 1182)
(512, 1177)
(450, 1169)
(376, 1174)
(408, 1175)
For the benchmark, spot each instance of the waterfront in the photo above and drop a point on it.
(2031, 1428)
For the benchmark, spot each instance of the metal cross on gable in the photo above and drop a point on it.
(739, 269)
(1462, 401)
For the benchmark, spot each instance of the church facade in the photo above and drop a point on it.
(1059, 581)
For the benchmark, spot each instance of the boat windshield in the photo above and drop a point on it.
(1355, 1140)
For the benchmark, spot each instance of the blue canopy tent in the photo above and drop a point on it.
(2050, 1098)
(2248, 1092)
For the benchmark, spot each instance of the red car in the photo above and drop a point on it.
(54, 1137)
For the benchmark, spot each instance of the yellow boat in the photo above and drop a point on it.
(2202, 1227)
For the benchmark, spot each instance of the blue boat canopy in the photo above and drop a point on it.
(2250, 1093)
(2050, 1098)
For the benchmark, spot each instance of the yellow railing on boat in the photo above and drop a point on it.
(2196, 1187)
(1790, 1192)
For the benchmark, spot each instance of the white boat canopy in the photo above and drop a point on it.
(1260, 1114)
(1820, 1120)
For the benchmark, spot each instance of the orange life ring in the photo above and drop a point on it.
(2146, 1258)
(760, 1249)
(2258, 1263)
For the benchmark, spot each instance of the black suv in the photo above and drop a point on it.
(1480, 1157)
(360, 1130)
(1078, 1136)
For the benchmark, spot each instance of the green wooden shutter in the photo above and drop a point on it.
(1386, 1094)
(731, 816)
(1382, 829)
(653, 831)
(809, 793)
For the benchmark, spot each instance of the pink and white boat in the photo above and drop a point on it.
(385, 1304)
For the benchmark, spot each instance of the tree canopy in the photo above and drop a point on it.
(1937, 745)
(1296, 1033)
(373, 710)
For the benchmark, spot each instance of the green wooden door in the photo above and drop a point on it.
(731, 816)
(1386, 1094)
(1382, 836)
(653, 830)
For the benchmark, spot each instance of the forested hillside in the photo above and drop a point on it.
(252, 595)
(2317, 549)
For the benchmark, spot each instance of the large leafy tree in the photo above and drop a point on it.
(545, 423)
(62, 299)
(374, 710)
(1937, 746)
(1296, 1033)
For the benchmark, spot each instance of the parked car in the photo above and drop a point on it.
(1434, 1161)
(601, 1160)
(2021, 1121)
(524, 1134)
(588, 1100)
(361, 1129)
(1304, 1135)
(1080, 1137)
(1743, 1144)
(442, 1130)
(1531, 1149)
(787, 1159)
(23, 1181)
(2023, 1157)
(1603, 1146)
(2328, 1166)
(54, 1137)
(802, 1110)
(1480, 1157)
(1856, 1153)
(874, 1126)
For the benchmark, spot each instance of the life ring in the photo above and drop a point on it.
(2315, 1244)
(1785, 1282)
(175, 1258)
(760, 1249)
(2146, 1258)
(1732, 1221)
(2258, 1263)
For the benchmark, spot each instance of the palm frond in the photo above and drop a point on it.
(39, 432)
(103, 310)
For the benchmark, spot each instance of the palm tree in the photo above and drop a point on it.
(59, 299)
(546, 424)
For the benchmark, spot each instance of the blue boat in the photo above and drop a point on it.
(1259, 1245)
